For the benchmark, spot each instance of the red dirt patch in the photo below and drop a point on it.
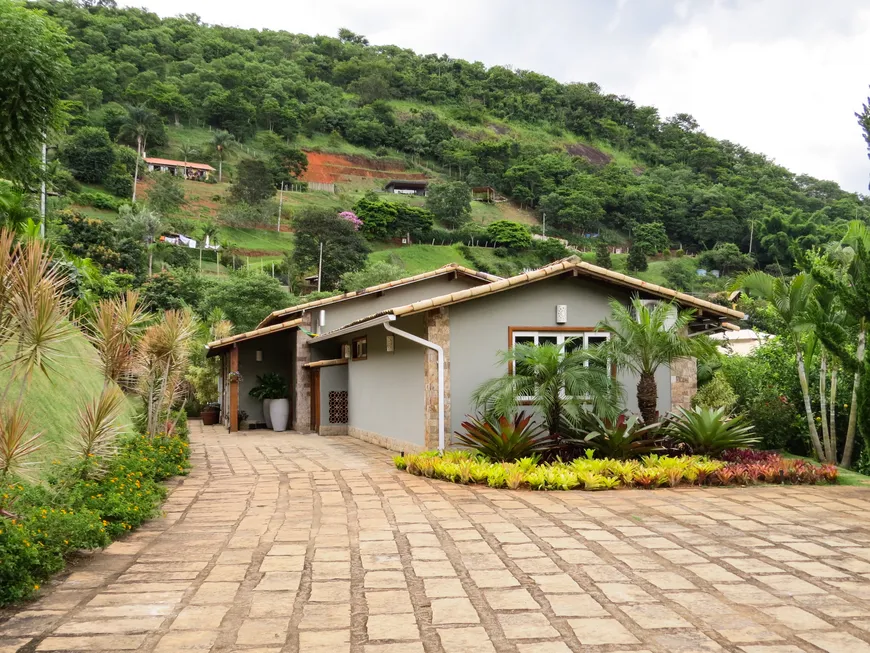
(330, 168)
(593, 156)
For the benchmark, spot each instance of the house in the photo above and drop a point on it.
(397, 364)
(483, 194)
(740, 342)
(186, 169)
(406, 187)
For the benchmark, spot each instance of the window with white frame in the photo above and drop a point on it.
(572, 341)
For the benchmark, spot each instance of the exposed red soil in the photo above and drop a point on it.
(595, 157)
(331, 168)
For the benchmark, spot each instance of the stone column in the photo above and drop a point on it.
(302, 379)
(438, 332)
(684, 382)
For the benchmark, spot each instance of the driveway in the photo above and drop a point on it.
(285, 542)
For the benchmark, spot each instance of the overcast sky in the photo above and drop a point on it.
(782, 77)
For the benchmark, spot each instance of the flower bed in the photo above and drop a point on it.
(607, 474)
(41, 524)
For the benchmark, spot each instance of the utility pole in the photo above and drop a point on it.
(280, 206)
(42, 193)
(320, 267)
(200, 259)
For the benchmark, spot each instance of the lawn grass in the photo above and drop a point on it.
(257, 239)
(421, 258)
(52, 403)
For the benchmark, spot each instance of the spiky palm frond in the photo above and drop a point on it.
(15, 447)
(642, 339)
(161, 355)
(113, 329)
(558, 382)
(97, 429)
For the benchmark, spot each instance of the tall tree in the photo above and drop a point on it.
(344, 248)
(221, 143)
(790, 299)
(34, 69)
(139, 123)
(643, 339)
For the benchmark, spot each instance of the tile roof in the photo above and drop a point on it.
(180, 164)
(256, 333)
(571, 264)
(450, 267)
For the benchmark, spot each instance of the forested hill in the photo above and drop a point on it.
(594, 162)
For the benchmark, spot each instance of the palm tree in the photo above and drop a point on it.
(139, 123)
(790, 300)
(642, 339)
(221, 142)
(187, 151)
(558, 382)
(143, 224)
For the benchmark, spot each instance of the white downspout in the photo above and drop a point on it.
(440, 351)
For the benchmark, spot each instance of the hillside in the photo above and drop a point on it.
(52, 403)
(597, 164)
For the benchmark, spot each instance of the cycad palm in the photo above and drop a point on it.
(791, 300)
(221, 142)
(139, 123)
(559, 383)
(642, 339)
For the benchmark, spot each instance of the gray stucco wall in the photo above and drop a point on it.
(277, 357)
(333, 378)
(341, 313)
(386, 390)
(479, 330)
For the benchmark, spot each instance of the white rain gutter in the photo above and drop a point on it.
(351, 329)
(440, 351)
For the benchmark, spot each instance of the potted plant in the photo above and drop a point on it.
(210, 414)
(270, 386)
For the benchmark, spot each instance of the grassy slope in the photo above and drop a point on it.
(52, 404)
(421, 258)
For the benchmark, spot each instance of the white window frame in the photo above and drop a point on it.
(560, 336)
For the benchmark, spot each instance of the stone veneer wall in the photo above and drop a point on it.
(684, 382)
(385, 442)
(302, 396)
(333, 429)
(438, 332)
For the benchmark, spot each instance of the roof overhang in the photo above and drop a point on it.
(353, 327)
(219, 346)
(449, 269)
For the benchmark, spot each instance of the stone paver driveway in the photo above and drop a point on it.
(284, 542)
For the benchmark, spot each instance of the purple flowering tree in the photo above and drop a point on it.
(351, 217)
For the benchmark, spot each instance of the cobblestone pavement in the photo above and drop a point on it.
(285, 542)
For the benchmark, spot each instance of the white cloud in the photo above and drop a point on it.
(792, 98)
(782, 77)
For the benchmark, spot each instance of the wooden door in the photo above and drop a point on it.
(315, 400)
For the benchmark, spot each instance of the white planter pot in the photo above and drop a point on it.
(266, 413)
(280, 411)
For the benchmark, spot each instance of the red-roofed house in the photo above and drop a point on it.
(187, 169)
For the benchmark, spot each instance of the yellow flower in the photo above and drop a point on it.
(36, 587)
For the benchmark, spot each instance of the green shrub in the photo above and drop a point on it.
(708, 431)
(503, 439)
(73, 511)
(717, 393)
(512, 235)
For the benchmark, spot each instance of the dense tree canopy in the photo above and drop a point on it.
(461, 116)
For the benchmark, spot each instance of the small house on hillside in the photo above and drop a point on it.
(407, 187)
(483, 194)
(188, 170)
